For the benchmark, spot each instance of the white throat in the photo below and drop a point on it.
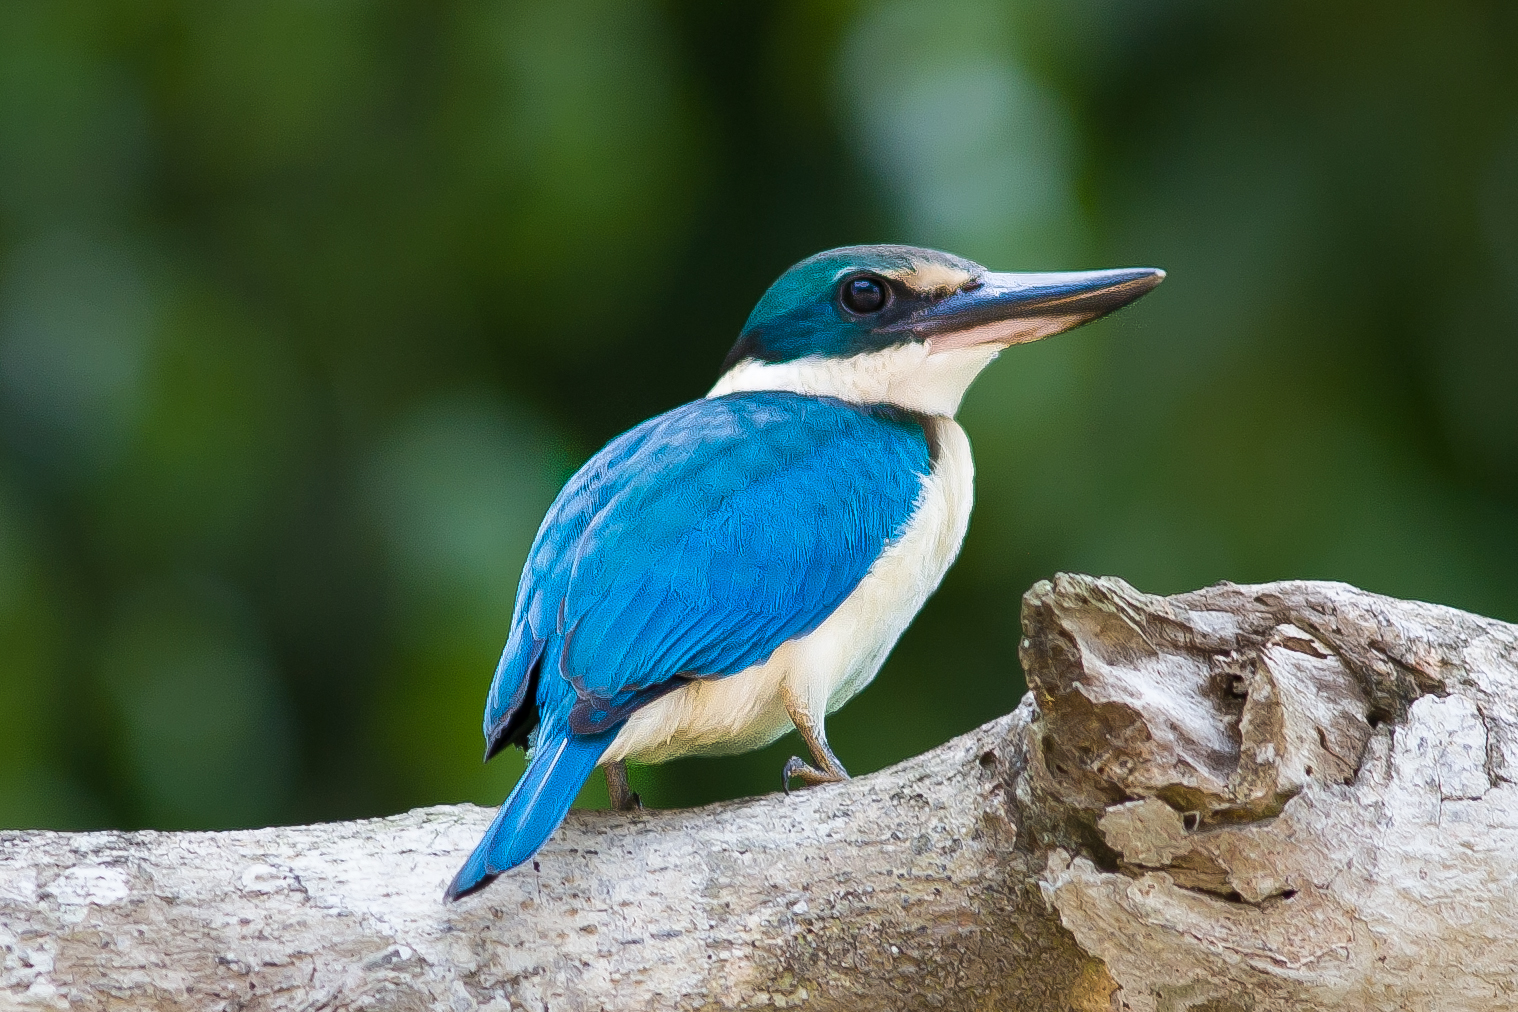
(910, 376)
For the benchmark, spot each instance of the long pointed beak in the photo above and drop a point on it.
(1007, 309)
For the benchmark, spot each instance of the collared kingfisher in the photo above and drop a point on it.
(742, 564)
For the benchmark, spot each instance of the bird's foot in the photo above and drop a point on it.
(798, 769)
(623, 797)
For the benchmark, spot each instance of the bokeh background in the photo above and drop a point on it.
(307, 307)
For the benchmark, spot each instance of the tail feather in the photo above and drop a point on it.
(559, 767)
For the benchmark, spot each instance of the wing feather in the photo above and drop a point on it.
(698, 542)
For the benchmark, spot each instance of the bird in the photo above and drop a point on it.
(742, 564)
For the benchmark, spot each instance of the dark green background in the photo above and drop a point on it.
(307, 308)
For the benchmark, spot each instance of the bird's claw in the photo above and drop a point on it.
(798, 769)
(793, 766)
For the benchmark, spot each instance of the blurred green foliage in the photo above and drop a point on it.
(307, 309)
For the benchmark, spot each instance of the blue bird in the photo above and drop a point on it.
(742, 564)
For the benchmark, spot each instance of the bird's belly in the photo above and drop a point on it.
(828, 666)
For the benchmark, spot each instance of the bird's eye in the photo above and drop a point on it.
(863, 295)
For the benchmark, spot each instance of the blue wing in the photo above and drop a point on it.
(694, 545)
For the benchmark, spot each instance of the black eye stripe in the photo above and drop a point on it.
(863, 294)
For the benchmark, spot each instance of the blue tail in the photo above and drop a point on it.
(558, 769)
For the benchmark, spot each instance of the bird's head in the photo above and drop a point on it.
(907, 326)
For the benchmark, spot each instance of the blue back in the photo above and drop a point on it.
(697, 543)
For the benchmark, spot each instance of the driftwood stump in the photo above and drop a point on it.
(1295, 795)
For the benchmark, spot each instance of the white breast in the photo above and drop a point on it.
(831, 664)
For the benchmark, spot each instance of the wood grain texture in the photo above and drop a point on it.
(1294, 795)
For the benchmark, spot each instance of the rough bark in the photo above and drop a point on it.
(1296, 795)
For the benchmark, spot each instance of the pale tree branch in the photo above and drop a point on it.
(1295, 795)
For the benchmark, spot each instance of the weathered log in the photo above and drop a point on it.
(1295, 795)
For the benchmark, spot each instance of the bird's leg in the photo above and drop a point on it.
(831, 771)
(622, 797)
